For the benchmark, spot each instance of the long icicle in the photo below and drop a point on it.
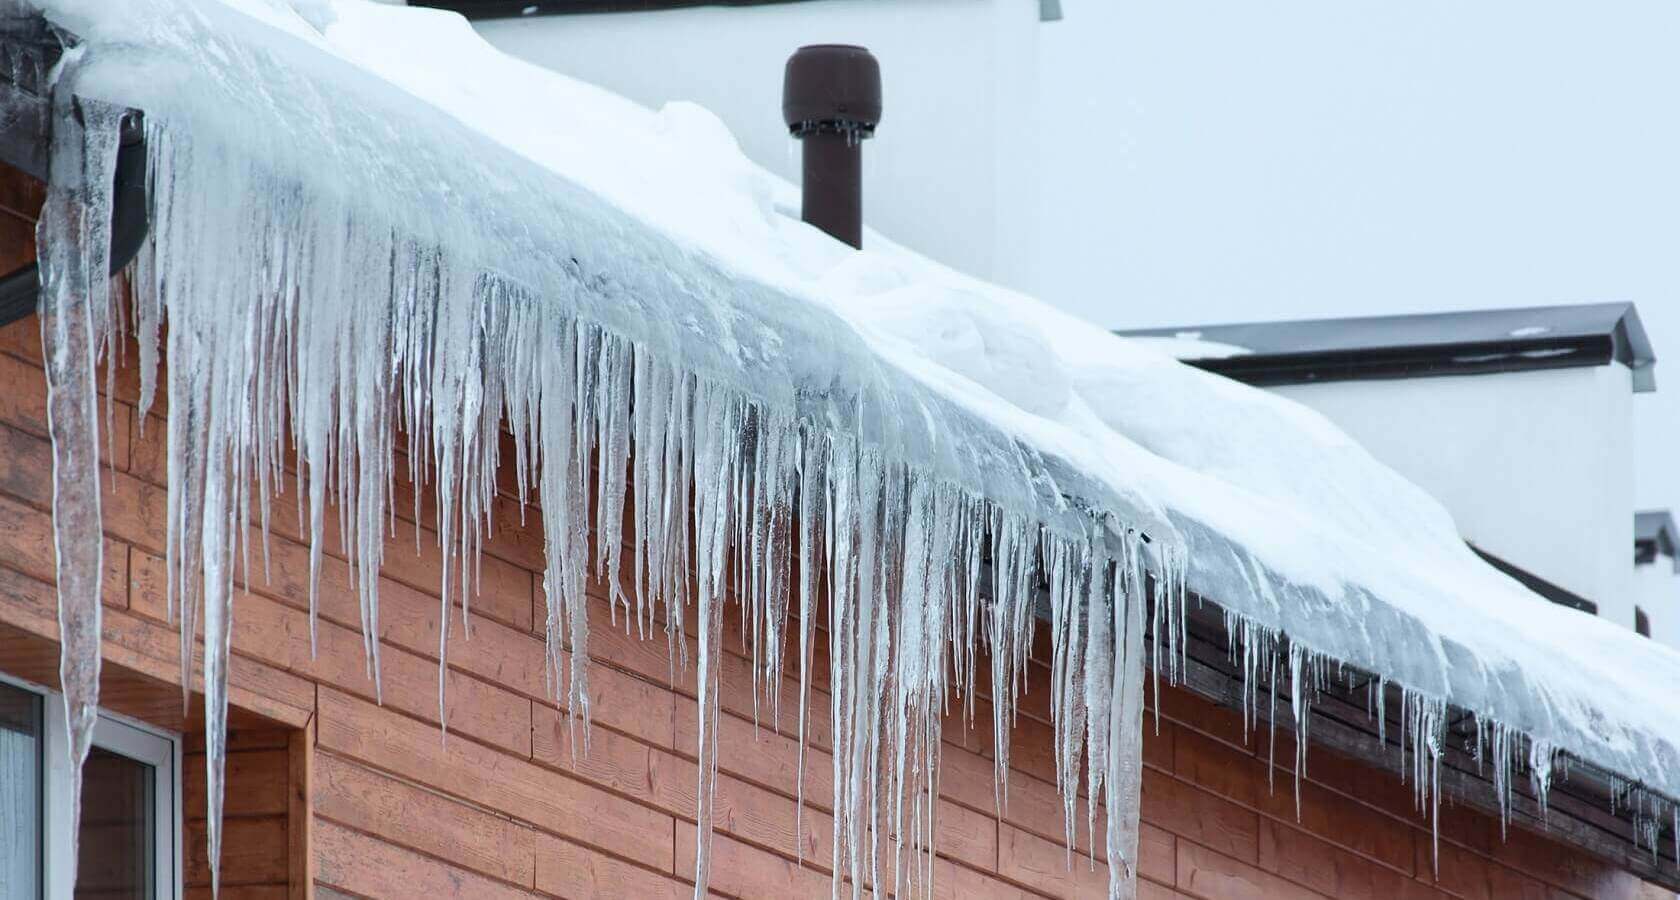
(717, 482)
(921, 575)
(74, 232)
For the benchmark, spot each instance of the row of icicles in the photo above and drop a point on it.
(297, 324)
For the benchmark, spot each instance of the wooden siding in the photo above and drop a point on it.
(257, 815)
(339, 793)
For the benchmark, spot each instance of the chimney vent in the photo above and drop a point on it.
(831, 101)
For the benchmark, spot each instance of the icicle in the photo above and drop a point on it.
(1540, 759)
(813, 465)
(1125, 731)
(1100, 654)
(1502, 758)
(716, 464)
(74, 234)
(1300, 701)
(920, 575)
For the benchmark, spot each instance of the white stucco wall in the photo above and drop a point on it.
(1536, 467)
(1656, 588)
(953, 170)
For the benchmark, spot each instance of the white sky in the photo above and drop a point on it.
(1213, 162)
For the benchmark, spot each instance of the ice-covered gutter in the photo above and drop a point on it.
(365, 217)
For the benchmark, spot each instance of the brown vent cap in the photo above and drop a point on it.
(832, 87)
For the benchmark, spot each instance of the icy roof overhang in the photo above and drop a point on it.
(652, 225)
(1418, 346)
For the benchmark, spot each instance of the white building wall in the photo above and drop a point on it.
(953, 169)
(1535, 466)
(1656, 588)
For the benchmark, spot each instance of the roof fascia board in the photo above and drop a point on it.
(1624, 342)
(1655, 534)
(1048, 10)
(1552, 592)
(513, 9)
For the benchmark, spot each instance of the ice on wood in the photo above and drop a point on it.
(780, 420)
(77, 325)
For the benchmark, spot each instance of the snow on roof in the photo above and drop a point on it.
(1188, 344)
(690, 248)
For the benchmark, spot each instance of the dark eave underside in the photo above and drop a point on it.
(1048, 10)
(504, 9)
(1416, 346)
(1654, 535)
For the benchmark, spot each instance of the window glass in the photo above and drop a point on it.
(20, 793)
(130, 820)
(117, 839)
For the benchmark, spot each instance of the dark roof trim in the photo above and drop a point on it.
(1539, 585)
(510, 9)
(26, 108)
(1048, 10)
(1435, 344)
(1654, 534)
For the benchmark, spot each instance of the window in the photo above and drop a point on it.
(131, 816)
(20, 793)
(1641, 622)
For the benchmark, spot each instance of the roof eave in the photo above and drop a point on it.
(1621, 339)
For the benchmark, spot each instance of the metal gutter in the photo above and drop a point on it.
(1048, 10)
(31, 48)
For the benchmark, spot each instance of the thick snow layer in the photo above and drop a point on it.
(651, 225)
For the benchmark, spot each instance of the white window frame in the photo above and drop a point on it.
(124, 736)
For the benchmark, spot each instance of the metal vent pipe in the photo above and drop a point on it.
(831, 102)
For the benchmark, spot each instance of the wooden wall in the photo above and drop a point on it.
(379, 803)
(256, 813)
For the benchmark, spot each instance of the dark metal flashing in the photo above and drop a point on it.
(28, 49)
(1435, 344)
(512, 9)
(1654, 535)
(1538, 585)
(1048, 10)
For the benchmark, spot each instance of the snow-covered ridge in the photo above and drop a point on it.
(367, 158)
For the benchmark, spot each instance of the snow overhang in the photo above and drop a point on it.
(1277, 517)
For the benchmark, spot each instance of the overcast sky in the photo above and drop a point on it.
(1233, 161)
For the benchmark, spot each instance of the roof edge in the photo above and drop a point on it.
(1291, 360)
(1655, 534)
